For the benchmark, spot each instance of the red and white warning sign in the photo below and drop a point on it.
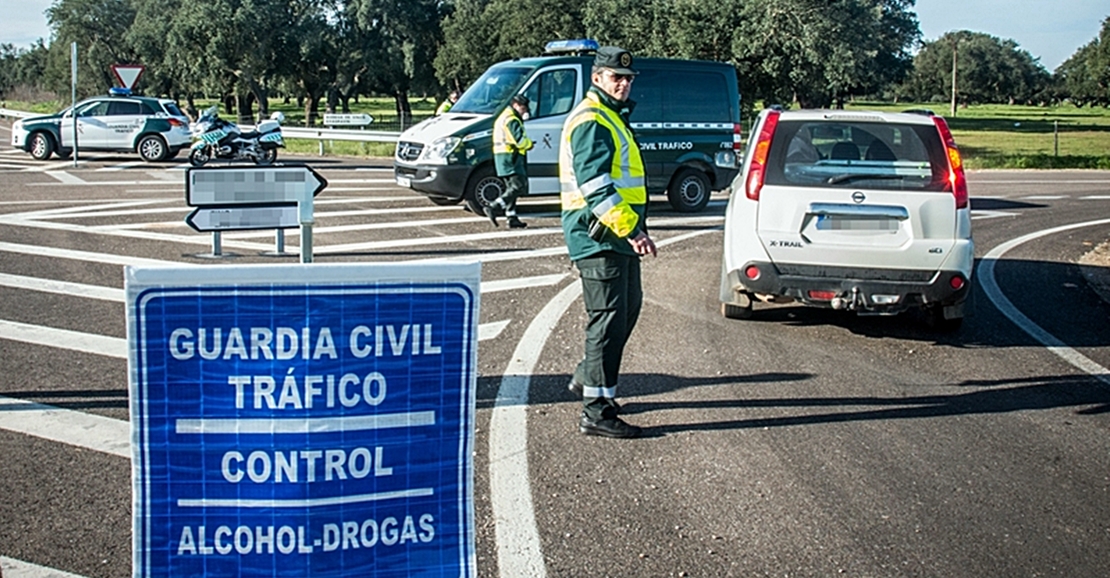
(127, 74)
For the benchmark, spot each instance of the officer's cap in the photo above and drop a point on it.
(614, 58)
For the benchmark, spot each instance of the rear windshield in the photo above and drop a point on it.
(857, 155)
(172, 109)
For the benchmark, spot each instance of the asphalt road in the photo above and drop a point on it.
(800, 443)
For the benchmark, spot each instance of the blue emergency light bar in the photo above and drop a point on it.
(119, 91)
(576, 46)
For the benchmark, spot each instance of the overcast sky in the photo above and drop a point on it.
(1049, 30)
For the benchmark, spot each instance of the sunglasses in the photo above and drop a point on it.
(619, 77)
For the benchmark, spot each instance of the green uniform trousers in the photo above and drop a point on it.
(612, 294)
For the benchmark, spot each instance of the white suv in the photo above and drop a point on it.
(862, 211)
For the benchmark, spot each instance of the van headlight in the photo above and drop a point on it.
(440, 148)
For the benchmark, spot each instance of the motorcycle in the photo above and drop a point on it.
(217, 138)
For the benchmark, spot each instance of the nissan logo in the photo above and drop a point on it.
(858, 197)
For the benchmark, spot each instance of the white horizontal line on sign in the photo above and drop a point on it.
(306, 503)
(305, 425)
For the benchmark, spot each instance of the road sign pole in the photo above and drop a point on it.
(73, 96)
(279, 242)
(217, 250)
(306, 242)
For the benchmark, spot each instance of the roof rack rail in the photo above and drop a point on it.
(921, 111)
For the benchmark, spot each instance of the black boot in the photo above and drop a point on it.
(610, 427)
(515, 223)
(491, 213)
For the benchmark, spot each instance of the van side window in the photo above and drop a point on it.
(553, 92)
(679, 96)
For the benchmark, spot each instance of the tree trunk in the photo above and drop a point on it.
(246, 108)
(404, 110)
(311, 109)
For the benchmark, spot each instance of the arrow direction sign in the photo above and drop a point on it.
(127, 74)
(230, 188)
(251, 185)
(243, 218)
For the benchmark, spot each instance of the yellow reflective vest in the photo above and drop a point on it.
(604, 185)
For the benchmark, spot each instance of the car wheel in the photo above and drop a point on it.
(198, 157)
(42, 145)
(689, 191)
(267, 157)
(152, 148)
(483, 188)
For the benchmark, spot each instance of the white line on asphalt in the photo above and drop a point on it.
(1095, 198)
(12, 568)
(1043, 197)
(62, 287)
(990, 287)
(41, 251)
(75, 428)
(518, 542)
(120, 167)
(63, 339)
(977, 215)
(65, 178)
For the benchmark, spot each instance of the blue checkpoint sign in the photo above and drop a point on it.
(303, 420)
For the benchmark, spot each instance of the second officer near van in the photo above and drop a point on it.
(510, 148)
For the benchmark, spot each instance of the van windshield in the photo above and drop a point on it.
(492, 90)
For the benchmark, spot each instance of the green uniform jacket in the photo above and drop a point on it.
(592, 148)
(514, 161)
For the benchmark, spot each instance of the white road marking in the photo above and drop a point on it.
(1095, 198)
(62, 287)
(1043, 197)
(12, 568)
(990, 287)
(65, 178)
(976, 215)
(518, 541)
(120, 167)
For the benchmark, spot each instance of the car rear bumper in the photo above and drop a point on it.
(448, 181)
(862, 289)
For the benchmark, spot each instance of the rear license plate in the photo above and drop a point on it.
(836, 223)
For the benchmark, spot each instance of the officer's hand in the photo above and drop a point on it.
(642, 244)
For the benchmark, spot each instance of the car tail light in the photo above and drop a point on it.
(737, 139)
(957, 182)
(177, 123)
(758, 167)
(821, 295)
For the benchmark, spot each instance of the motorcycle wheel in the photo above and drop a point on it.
(267, 157)
(199, 157)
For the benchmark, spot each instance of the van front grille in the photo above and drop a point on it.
(409, 151)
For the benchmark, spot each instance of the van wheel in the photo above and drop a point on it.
(41, 146)
(689, 191)
(483, 188)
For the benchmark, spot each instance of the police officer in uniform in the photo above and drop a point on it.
(452, 98)
(604, 212)
(510, 147)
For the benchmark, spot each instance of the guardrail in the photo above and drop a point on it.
(7, 112)
(308, 133)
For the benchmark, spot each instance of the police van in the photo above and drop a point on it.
(686, 120)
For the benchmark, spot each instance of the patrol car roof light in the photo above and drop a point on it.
(119, 91)
(576, 46)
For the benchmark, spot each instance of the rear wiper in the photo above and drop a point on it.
(861, 177)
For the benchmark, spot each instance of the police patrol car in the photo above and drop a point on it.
(686, 120)
(154, 127)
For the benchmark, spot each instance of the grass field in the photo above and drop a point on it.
(990, 136)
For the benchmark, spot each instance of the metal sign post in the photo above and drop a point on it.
(245, 198)
(294, 420)
(73, 96)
